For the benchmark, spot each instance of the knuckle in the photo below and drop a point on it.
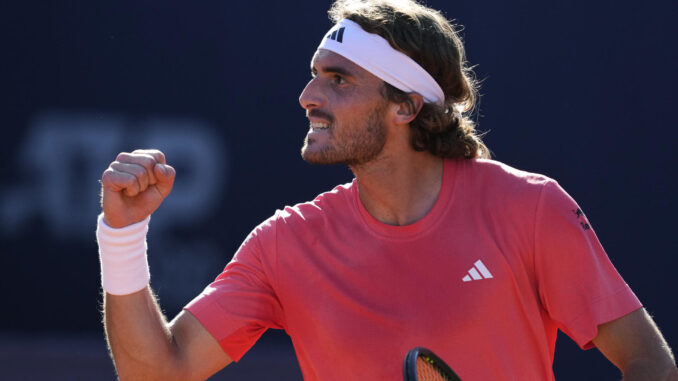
(130, 182)
(147, 161)
(116, 166)
(143, 179)
(106, 175)
(157, 155)
(139, 170)
(134, 172)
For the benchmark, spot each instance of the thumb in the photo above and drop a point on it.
(165, 175)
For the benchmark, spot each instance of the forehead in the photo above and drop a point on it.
(326, 60)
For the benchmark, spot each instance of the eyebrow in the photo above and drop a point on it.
(334, 69)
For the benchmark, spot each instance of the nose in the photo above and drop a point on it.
(311, 97)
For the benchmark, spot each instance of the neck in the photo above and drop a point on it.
(400, 189)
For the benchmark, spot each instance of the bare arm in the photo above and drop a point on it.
(143, 345)
(635, 345)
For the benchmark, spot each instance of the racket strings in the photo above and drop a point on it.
(427, 370)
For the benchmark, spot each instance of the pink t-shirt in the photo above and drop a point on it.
(503, 260)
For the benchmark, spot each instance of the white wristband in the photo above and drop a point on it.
(122, 253)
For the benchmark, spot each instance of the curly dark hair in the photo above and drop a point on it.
(427, 37)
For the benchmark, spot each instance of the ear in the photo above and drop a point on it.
(408, 110)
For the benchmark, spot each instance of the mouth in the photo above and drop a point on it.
(319, 126)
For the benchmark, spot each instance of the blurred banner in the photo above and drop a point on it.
(582, 92)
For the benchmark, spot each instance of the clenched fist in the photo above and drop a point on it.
(134, 186)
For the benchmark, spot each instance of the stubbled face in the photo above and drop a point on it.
(346, 110)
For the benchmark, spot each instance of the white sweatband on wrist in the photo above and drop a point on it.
(122, 253)
(375, 54)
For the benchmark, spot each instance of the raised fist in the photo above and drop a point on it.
(134, 186)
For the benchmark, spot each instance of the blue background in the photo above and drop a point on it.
(583, 92)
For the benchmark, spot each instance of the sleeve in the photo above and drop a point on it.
(578, 285)
(241, 303)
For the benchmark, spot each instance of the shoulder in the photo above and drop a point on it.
(331, 204)
(495, 179)
(327, 202)
(502, 188)
(303, 220)
(496, 171)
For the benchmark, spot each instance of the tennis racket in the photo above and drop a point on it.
(423, 365)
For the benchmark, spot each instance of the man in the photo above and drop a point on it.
(431, 244)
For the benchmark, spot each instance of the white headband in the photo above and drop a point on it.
(375, 54)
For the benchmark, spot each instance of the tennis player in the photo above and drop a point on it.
(432, 244)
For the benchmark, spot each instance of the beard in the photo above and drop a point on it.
(347, 144)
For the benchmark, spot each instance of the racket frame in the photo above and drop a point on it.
(410, 364)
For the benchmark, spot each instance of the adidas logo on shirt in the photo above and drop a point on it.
(337, 35)
(477, 272)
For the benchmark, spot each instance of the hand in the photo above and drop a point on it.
(134, 186)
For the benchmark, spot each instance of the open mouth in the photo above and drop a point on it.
(319, 126)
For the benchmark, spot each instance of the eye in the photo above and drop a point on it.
(338, 79)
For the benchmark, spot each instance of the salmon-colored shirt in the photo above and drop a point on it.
(503, 260)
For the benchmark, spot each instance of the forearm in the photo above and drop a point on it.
(636, 346)
(141, 345)
(651, 370)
